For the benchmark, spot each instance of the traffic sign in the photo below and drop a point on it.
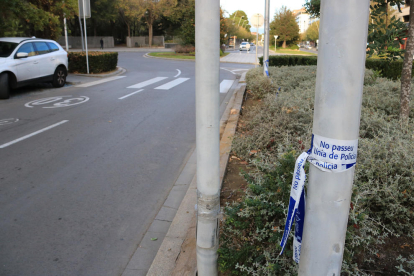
(257, 20)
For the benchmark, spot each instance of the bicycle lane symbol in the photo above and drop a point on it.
(56, 102)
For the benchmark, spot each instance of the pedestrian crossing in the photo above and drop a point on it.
(148, 82)
(161, 83)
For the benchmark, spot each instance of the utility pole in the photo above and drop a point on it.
(338, 96)
(66, 32)
(207, 17)
(86, 36)
(266, 40)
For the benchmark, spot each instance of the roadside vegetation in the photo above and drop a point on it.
(274, 129)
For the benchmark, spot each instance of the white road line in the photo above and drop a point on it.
(171, 84)
(225, 85)
(32, 134)
(228, 70)
(130, 94)
(88, 84)
(179, 73)
(148, 82)
(240, 70)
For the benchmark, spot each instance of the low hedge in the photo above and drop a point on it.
(99, 62)
(390, 70)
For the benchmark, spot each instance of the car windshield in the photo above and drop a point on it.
(244, 43)
(6, 48)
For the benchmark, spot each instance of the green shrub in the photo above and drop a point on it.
(99, 62)
(279, 129)
(186, 49)
(287, 60)
(390, 70)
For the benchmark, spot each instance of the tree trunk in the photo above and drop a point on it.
(129, 29)
(407, 70)
(150, 22)
(284, 44)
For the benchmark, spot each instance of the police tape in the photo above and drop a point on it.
(329, 155)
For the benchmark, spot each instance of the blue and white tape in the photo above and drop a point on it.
(266, 64)
(329, 155)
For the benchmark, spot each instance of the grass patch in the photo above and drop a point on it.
(172, 55)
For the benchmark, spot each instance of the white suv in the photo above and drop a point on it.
(245, 46)
(28, 60)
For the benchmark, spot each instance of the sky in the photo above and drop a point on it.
(258, 6)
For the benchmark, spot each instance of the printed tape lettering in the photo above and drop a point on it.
(329, 155)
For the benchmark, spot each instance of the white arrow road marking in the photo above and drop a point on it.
(225, 85)
(179, 73)
(171, 84)
(126, 96)
(88, 84)
(148, 82)
(32, 134)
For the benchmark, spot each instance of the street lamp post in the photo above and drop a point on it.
(275, 41)
(240, 20)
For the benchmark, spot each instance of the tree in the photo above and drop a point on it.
(407, 70)
(152, 10)
(103, 11)
(129, 11)
(284, 25)
(34, 18)
(312, 33)
(383, 31)
(313, 7)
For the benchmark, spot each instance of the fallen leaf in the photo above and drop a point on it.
(154, 239)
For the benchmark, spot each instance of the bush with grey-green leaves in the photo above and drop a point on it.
(277, 131)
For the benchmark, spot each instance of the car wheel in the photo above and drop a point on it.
(59, 78)
(4, 86)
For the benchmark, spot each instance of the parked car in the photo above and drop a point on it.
(25, 61)
(245, 46)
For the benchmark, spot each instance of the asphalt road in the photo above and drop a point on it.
(84, 172)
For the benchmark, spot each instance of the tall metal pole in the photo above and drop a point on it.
(81, 31)
(207, 16)
(257, 38)
(86, 36)
(66, 33)
(339, 84)
(266, 38)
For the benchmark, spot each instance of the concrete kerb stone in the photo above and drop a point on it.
(176, 256)
(118, 71)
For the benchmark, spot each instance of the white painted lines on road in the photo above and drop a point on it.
(148, 82)
(172, 84)
(225, 85)
(126, 96)
(88, 84)
(179, 73)
(228, 70)
(32, 134)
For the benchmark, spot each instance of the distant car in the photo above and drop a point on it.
(25, 61)
(245, 46)
(251, 44)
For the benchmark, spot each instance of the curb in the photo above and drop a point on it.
(177, 253)
(119, 71)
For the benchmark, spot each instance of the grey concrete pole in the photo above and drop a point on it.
(66, 34)
(81, 31)
(266, 38)
(86, 36)
(339, 84)
(207, 16)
